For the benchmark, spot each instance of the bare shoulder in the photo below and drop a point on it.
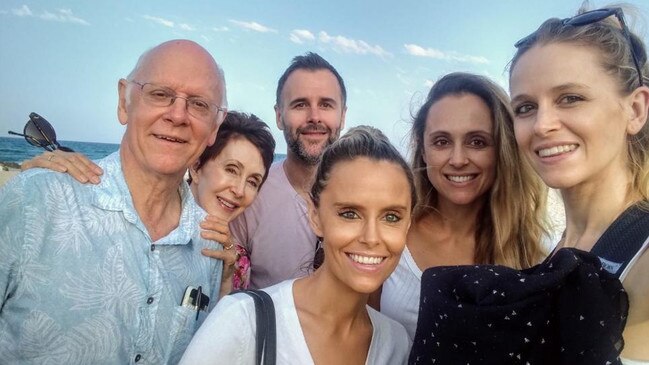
(636, 284)
(637, 327)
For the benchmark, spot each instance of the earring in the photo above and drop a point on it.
(318, 257)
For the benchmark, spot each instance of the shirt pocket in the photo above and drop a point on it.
(183, 326)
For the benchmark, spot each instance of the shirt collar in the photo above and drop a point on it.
(113, 194)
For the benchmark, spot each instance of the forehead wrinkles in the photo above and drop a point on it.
(182, 65)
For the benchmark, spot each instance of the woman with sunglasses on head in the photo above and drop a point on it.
(360, 207)
(224, 181)
(479, 200)
(580, 104)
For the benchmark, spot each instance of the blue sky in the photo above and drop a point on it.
(62, 59)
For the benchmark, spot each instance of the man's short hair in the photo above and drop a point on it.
(313, 62)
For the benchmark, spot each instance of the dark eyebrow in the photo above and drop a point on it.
(306, 100)
(439, 134)
(328, 100)
(480, 132)
(357, 206)
(257, 176)
(234, 162)
(399, 208)
(241, 167)
(298, 100)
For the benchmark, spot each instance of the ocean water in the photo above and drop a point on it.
(17, 150)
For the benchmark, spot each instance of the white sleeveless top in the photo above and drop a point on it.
(400, 294)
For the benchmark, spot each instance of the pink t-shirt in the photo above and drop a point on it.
(275, 230)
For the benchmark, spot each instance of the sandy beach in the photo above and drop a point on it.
(6, 175)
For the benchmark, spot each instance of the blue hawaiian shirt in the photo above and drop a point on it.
(81, 282)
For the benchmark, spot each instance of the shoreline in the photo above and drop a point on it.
(8, 166)
(7, 171)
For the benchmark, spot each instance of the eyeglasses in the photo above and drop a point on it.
(196, 106)
(591, 17)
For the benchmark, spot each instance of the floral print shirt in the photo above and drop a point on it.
(82, 282)
(241, 278)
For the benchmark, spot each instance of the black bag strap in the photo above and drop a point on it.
(266, 343)
(623, 239)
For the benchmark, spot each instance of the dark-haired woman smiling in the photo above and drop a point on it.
(361, 203)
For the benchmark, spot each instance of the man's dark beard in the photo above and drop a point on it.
(297, 147)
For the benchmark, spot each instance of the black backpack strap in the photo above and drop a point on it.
(623, 240)
(266, 343)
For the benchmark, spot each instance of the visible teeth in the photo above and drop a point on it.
(231, 206)
(170, 139)
(460, 179)
(366, 260)
(556, 150)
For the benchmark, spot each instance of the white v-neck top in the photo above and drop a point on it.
(228, 334)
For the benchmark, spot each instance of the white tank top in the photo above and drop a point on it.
(401, 291)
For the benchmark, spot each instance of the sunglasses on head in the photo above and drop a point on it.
(591, 17)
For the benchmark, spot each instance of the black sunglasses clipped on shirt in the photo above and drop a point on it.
(591, 17)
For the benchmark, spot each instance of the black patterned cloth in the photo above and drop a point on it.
(567, 310)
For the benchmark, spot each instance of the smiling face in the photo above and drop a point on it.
(363, 216)
(311, 113)
(167, 140)
(459, 150)
(227, 184)
(570, 117)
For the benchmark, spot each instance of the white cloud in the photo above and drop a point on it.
(22, 11)
(420, 51)
(169, 23)
(254, 26)
(185, 26)
(300, 36)
(221, 29)
(60, 15)
(158, 20)
(348, 45)
(63, 16)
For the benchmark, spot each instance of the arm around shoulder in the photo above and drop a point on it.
(239, 229)
(77, 165)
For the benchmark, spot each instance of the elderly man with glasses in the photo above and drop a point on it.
(112, 273)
